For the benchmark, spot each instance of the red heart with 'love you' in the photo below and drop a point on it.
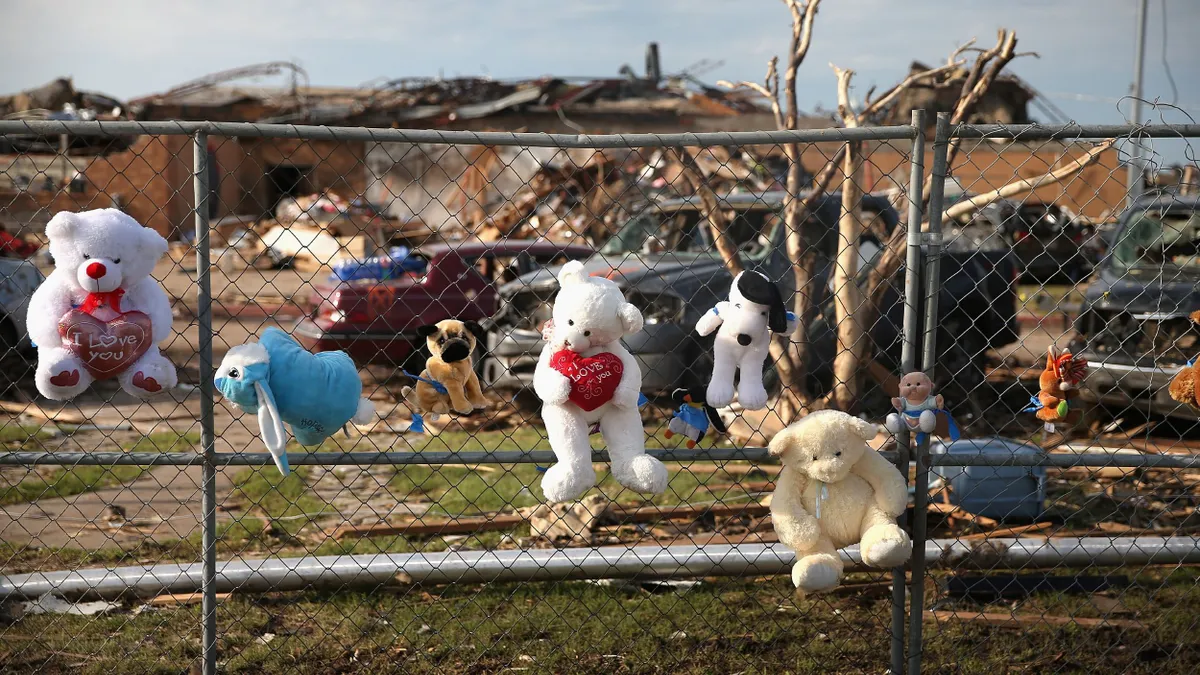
(106, 348)
(594, 379)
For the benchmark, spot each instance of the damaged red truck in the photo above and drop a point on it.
(376, 321)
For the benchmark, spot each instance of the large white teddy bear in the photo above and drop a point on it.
(585, 376)
(835, 491)
(100, 314)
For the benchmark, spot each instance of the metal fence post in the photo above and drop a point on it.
(204, 317)
(908, 356)
(933, 241)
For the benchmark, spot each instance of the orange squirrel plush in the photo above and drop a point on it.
(1059, 388)
(1185, 386)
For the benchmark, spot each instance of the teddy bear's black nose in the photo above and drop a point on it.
(743, 339)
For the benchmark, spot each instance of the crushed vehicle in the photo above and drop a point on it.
(19, 278)
(1133, 326)
(1050, 244)
(667, 265)
(376, 321)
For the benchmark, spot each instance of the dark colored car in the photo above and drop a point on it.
(668, 267)
(1133, 326)
(1049, 243)
(376, 322)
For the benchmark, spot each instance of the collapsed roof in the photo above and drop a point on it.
(60, 100)
(433, 102)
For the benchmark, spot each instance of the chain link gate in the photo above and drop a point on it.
(393, 548)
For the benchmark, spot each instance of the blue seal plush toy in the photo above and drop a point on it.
(315, 394)
(693, 416)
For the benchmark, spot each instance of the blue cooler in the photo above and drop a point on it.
(1000, 492)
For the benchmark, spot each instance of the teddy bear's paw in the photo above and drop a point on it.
(149, 377)
(893, 423)
(465, 409)
(928, 421)
(817, 573)
(643, 474)
(719, 394)
(62, 377)
(885, 546)
(564, 483)
(752, 397)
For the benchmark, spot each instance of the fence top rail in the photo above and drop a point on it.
(251, 130)
(1040, 132)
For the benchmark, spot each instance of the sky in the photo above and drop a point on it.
(135, 47)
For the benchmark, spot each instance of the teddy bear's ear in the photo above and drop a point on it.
(153, 243)
(865, 430)
(572, 273)
(782, 442)
(631, 318)
(63, 224)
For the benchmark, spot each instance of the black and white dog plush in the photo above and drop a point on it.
(744, 325)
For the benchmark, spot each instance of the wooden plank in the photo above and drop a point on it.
(181, 599)
(1015, 531)
(429, 528)
(475, 524)
(1023, 621)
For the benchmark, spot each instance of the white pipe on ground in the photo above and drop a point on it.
(749, 560)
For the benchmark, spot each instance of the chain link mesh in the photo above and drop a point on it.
(395, 548)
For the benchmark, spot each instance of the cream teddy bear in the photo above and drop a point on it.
(100, 314)
(834, 491)
(585, 376)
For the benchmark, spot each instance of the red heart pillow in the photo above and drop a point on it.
(594, 379)
(106, 348)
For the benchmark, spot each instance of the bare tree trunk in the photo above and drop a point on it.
(847, 295)
(710, 211)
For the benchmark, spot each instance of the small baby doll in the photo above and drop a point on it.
(917, 407)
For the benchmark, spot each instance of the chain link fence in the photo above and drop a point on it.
(158, 535)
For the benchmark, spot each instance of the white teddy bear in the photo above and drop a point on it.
(586, 376)
(100, 314)
(834, 491)
(744, 324)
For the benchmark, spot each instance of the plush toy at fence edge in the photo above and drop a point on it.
(1184, 386)
(744, 324)
(1058, 390)
(315, 394)
(835, 490)
(449, 382)
(100, 314)
(693, 416)
(917, 408)
(585, 376)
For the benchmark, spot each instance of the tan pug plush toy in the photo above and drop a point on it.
(448, 382)
(835, 491)
(1183, 387)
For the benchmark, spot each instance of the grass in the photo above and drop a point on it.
(749, 625)
(56, 482)
(721, 626)
(449, 491)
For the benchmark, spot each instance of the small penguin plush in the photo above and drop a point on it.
(693, 416)
(316, 394)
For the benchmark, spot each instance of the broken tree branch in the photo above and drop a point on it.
(893, 254)
(710, 209)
